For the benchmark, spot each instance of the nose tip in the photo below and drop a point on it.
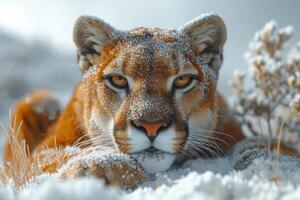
(151, 128)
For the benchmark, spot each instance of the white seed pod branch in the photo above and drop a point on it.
(273, 97)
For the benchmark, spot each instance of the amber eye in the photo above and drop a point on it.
(118, 81)
(183, 81)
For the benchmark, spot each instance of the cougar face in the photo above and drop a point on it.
(150, 92)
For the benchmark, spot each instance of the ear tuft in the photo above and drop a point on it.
(90, 35)
(206, 33)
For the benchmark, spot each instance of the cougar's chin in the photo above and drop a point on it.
(154, 162)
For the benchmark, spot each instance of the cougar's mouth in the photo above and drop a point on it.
(153, 160)
(153, 150)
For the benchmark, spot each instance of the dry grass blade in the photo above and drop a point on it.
(279, 136)
(19, 170)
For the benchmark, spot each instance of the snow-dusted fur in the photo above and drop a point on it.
(149, 93)
(101, 154)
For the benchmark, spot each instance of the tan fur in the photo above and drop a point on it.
(150, 57)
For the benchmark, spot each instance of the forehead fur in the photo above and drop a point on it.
(98, 43)
(146, 50)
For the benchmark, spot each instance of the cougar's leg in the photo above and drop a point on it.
(247, 150)
(30, 119)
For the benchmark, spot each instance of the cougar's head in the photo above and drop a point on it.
(150, 93)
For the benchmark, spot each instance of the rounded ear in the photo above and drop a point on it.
(90, 35)
(206, 33)
(207, 36)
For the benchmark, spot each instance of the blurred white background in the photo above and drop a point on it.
(36, 48)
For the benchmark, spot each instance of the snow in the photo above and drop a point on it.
(289, 30)
(295, 103)
(210, 179)
(196, 20)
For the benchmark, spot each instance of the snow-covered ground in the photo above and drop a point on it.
(199, 179)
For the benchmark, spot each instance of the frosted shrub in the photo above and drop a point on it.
(269, 102)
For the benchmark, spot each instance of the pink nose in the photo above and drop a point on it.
(151, 128)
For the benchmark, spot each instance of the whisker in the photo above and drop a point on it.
(95, 138)
(210, 150)
(95, 141)
(196, 136)
(186, 154)
(207, 142)
(213, 131)
(188, 147)
(211, 144)
(196, 153)
(100, 136)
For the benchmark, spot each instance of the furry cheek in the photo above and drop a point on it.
(100, 128)
(121, 141)
(202, 121)
(200, 128)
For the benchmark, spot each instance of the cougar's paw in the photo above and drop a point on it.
(249, 149)
(246, 151)
(114, 168)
